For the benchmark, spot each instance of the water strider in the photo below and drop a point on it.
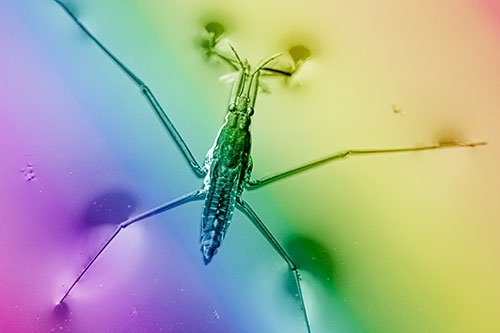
(228, 164)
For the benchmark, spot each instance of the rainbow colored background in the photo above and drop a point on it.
(395, 243)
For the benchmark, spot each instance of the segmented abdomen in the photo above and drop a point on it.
(217, 213)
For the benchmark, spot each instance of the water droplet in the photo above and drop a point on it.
(129, 206)
(100, 285)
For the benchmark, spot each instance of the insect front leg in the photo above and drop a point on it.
(153, 102)
(196, 195)
(253, 184)
(257, 222)
(210, 38)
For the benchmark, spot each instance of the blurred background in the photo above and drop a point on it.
(389, 243)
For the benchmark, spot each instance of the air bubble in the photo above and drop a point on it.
(28, 172)
(216, 314)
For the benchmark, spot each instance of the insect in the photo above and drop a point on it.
(228, 166)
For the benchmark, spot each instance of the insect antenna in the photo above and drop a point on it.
(235, 53)
(253, 85)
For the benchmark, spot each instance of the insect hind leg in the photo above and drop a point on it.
(195, 195)
(254, 218)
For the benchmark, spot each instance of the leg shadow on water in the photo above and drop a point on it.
(60, 320)
(111, 207)
(312, 258)
(322, 285)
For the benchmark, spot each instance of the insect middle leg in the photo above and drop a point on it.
(248, 211)
(195, 195)
(153, 102)
(253, 184)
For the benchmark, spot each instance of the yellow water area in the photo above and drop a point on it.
(413, 237)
